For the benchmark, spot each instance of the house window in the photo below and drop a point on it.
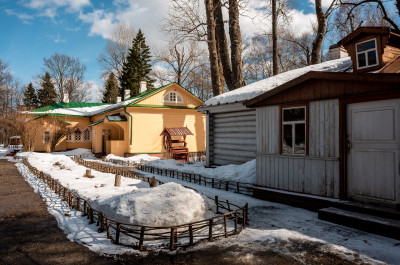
(69, 137)
(367, 54)
(172, 97)
(78, 135)
(294, 130)
(46, 137)
(86, 135)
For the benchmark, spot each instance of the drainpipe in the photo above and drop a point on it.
(130, 131)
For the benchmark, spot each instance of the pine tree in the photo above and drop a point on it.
(30, 97)
(111, 89)
(137, 67)
(47, 95)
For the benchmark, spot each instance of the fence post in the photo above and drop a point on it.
(210, 231)
(117, 233)
(172, 240)
(216, 202)
(108, 228)
(190, 234)
(245, 215)
(141, 238)
(117, 182)
(225, 229)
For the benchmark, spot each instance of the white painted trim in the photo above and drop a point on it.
(366, 53)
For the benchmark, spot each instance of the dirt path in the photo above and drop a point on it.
(29, 235)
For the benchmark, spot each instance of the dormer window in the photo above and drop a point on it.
(367, 54)
(172, 97)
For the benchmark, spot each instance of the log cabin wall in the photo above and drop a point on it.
(231, 137)
(316, 173)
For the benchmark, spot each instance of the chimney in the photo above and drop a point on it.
(143, 86)
(66, 98)
(337, 52)
(118, 99)
(127, 94)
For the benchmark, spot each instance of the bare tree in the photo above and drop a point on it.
(68, 76)
(182, 60)
(116, 49)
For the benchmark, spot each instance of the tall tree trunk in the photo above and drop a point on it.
(275, 70)
(398, 7)
(217, 87)
(222, 44)
(236, 45)
(317, 43)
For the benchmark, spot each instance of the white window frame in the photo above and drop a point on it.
(178, 97)
(293, 123)
(366, 54)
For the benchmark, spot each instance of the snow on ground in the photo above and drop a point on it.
(258, 88)
(245, 173)
(143, 158)
(4, 151)
(79, 152)
(281, 228)
(133, 202)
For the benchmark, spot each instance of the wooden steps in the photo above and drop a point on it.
(371, 219)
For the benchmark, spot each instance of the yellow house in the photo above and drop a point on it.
(130, 127)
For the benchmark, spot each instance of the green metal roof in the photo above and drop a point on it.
(97, 122)
(69, 105)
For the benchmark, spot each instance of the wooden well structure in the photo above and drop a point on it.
(174, 143)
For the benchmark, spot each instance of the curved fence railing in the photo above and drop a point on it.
(233, 186)
(231, 220)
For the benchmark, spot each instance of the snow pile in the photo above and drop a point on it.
(4, 151)
(133, 202)
(245, 173)
(166, 205)
(143, 158)
(79, 152)
(258, 88)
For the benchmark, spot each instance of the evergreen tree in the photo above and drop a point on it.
(47, 95)
(30, 97)
(137, 67)
(111, 89)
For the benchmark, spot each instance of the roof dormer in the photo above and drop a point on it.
(371, 48)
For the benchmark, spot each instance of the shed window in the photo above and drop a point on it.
(78, 135)
(87, 135)
(173, 97)
(294, 130)
(367, 54)
(69, 137)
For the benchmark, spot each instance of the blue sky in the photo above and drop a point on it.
(35, 29)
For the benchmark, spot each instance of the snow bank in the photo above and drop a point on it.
(166, 205)
(258, 88)
(133, 202)
(80, 152)
(245, 173)
(4, 151)
(133, 159)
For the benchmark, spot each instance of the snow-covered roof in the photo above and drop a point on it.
(262, 86)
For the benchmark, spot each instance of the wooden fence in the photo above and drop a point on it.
(231, 220)
(237, 187)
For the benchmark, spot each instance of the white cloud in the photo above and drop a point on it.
(95, 93)
(22, 16)
(58, 39)
(72, 4)
(324, 3)
(102, 23)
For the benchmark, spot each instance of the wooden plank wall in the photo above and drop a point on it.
(232, 137)
(317, 173)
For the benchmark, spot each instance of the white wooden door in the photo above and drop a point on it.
(373, 151)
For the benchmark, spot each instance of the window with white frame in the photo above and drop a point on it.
(46, 137)
(172, 97)
(294, 130)
(87, 135)
(77, 135)
(367, 54)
